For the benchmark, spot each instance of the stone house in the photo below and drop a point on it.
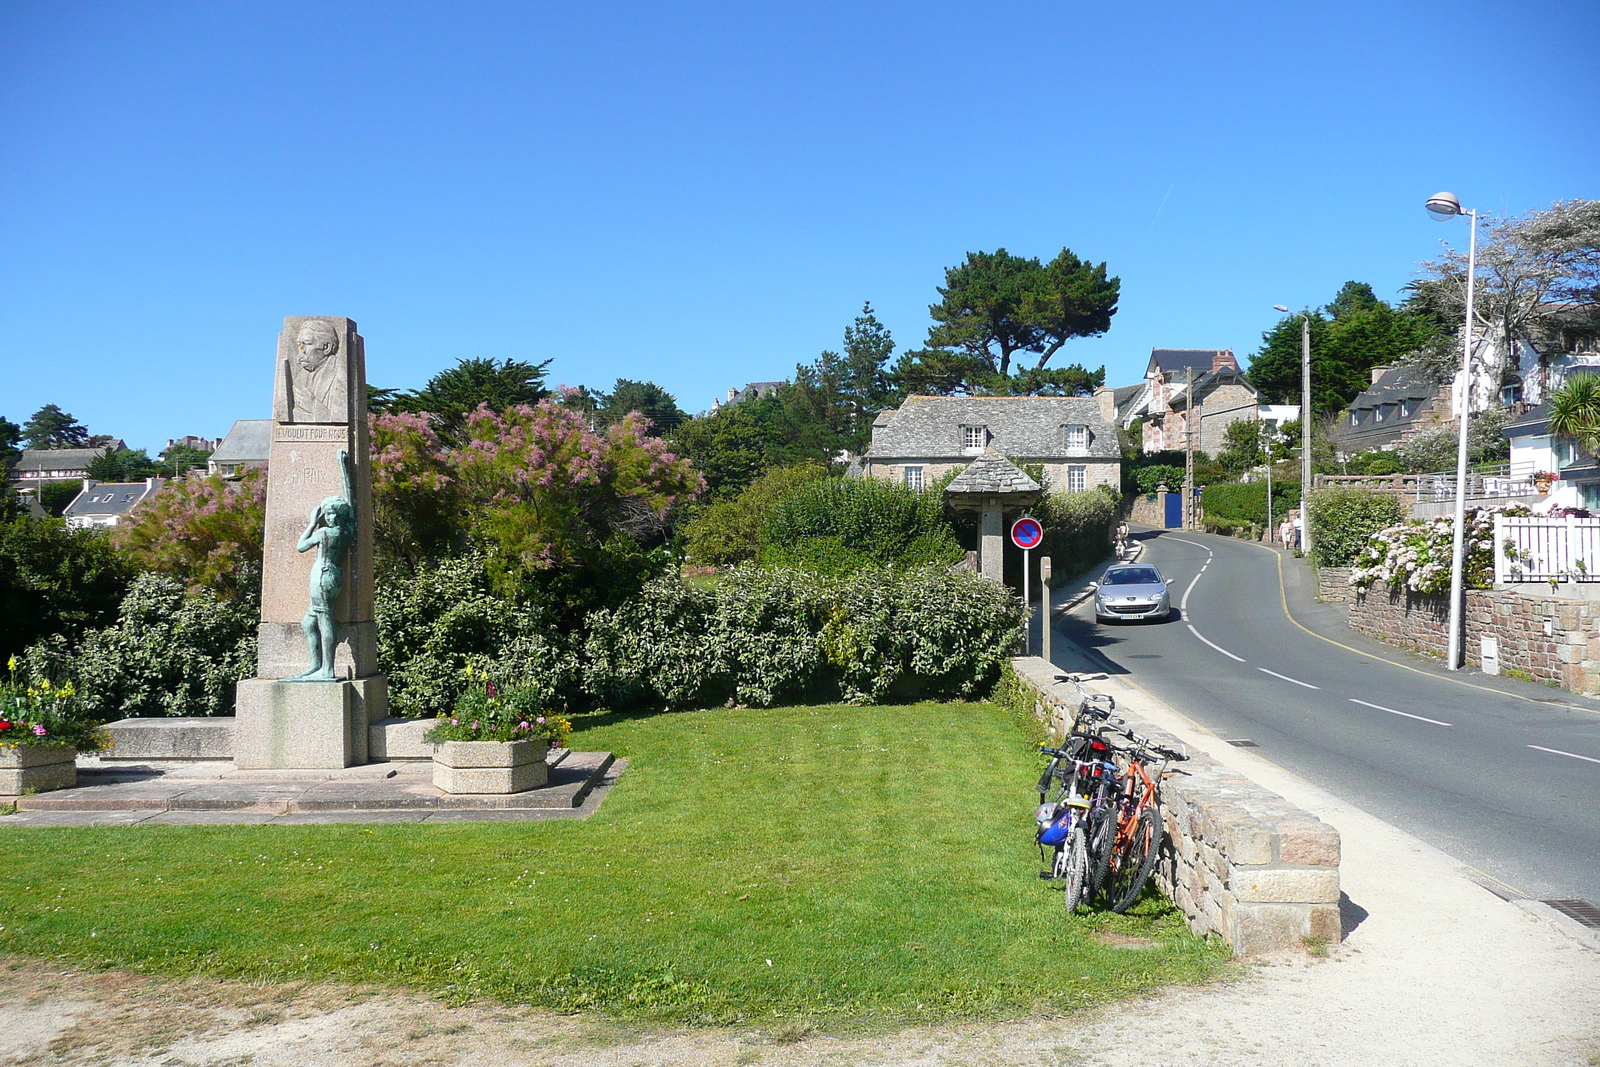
(1222, 396)
(1400, 402)
(247, 444)
(108, 503)
(928, 437)
(38, 465)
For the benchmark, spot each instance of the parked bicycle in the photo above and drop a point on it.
(1099, 816)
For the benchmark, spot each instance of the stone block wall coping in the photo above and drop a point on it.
(1243, 863)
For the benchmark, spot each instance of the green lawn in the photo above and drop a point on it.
(833, 865)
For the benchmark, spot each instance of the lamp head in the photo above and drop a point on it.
(1279, 307)
(1444, 206)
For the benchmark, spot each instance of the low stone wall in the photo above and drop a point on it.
(1333, 585)
(1544, 637)
(1149, 510)
(1240, 861)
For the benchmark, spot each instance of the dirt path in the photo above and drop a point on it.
(1305, 1012)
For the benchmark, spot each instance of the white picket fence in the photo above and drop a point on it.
(1535, 549)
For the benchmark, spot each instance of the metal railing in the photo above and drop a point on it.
(1537, 549)
(1483, 483)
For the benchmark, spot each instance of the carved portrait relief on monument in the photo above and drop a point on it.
(313, 376)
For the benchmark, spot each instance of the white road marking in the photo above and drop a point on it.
(1558, 752)
(1286, 678)
(1407, 714)
(1213, 644)
(1183, 605)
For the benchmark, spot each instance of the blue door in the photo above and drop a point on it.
(1174, 511)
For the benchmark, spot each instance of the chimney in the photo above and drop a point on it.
(1223, 358)
(732, 394)
(1379, 372)
(1107, 398)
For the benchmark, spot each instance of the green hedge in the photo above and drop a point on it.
(1245, 503)
(843, 524)
(1343, 520)
(763, 636)
(1077, 530)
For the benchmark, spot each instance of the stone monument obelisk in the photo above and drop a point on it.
(317, 685)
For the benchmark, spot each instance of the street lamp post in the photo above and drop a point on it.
(1443, 207)
(1305, 426)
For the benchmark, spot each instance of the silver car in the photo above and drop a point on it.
(1131, 591)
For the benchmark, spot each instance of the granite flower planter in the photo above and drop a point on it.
(490, 766)
(37, 769)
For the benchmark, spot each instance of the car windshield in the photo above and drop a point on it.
(1133, 576)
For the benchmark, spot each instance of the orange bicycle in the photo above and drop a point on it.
(1128, 842)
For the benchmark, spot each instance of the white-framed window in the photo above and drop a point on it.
(913, 478)
(974, 438)
(1377, 413)
(1077, 438)
(1077, 477)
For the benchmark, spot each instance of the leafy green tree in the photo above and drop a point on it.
(10, 442)
(1529, 268)
(729, 531)
(451, 395)
(647, 398)
(180, 459)
(734, 446)
(55, 581)
(996, 306)
(55, 496)
(1355, 333)
(127, 465)
(50, 427)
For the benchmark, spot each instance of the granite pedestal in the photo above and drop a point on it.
(305, 725)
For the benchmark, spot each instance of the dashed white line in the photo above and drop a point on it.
(1558, 752)
(1407, 714)
(1213, 644)
(1286, 678)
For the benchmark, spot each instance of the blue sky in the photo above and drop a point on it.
(704, 194)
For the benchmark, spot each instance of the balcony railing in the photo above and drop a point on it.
(1483, 483)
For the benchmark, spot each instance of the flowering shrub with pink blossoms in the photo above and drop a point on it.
(205, 532)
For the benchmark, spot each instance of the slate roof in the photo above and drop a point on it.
(1207, 381)
(56, 459)
(991, 474)
(929, 427)
(1535, 422)
(249, 441)
(1393, 386)
(1125, 397)
(1167, 360)
(111, 498)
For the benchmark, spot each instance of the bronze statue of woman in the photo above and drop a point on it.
(330, 531)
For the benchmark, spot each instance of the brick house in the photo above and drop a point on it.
(927, 437)
(1222, 396)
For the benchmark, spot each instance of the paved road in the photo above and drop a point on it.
(1503, 775)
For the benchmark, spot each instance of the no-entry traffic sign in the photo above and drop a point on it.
(1026, 532)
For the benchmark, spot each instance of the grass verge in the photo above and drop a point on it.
(824, 865)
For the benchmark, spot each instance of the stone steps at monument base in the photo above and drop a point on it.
(409, 788)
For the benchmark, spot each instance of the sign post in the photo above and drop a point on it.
(1044, 604)
(1027, 534)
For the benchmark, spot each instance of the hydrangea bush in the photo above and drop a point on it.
(1416, 554)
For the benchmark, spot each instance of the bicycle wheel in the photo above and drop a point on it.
(1135, 860)
(1102, 846)
(1076, 863)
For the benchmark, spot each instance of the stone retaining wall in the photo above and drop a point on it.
(1546, 638)
(1150, 509)
(1240, 861)
(1333, 585)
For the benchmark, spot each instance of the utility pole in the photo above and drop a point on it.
(1305, 431)
(1271, 433)
(1188, 450)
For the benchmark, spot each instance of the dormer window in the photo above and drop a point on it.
(974, 438)
(1077, 438)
